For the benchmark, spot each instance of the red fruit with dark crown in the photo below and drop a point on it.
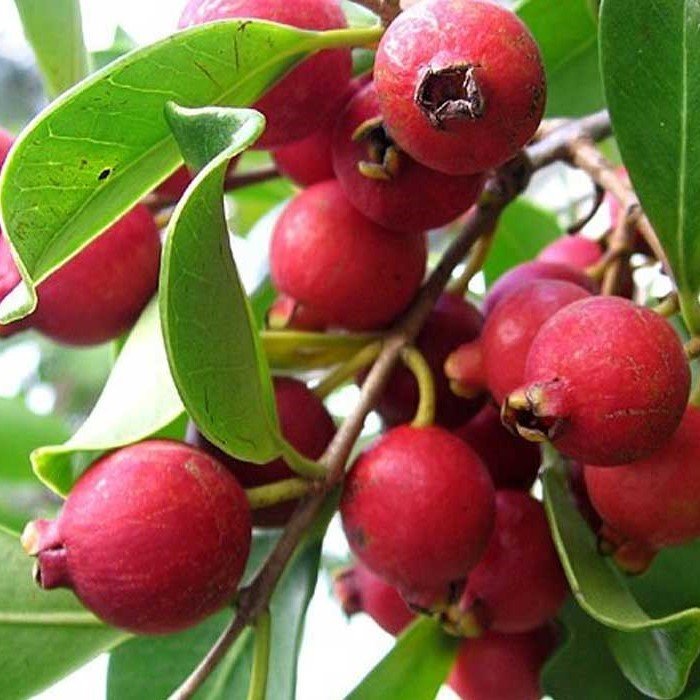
(360, 590)
(519, 584)
(418, 509)
(502, 666)
(298, 104)
(577, 251)
(534, 271)
(606, 381)
(342, 266)
(461, 84)
(153, 538)
(496, 361)
(512, 462)
(305, 424)
(386, 184)
(452, 321)
(99, 294)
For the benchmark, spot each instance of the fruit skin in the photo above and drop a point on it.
(435, 47)
(99, 294)
(577, 251)
(6, 141)
(305, 423)
(502, 666)
(407, 197)
(297, 105)
(153, 538)
(418, 508)
(497, 360)
(653, 501)
(344, 267)
(286, 313)
(606, 381)
(512, 462)
(530, 272)
(452, 321)
(519, 584)
(360, 590)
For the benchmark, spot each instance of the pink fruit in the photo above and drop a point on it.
(6, 141)
(577, 251)
(297, 105)
(286, 313)
(153, 538)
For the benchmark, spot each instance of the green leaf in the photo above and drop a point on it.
(138, 401)
(415, 668)
(121, 44)
(650, 56)
(655, 654)
(103, 145)
(567, 35)
(249, 204)
(44, 635)
(54, 30)
(523, 230)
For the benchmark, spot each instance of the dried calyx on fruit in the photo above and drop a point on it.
(153, 538)
(606, 381)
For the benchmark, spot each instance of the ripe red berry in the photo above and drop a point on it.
(286, 313)
(387, 185)
(298, 104)
(519, 584)
(452, 321)
(305, 424)
(497, 360)
(512, 462)
(360, 590)
(461, 84)
(577, 251)
(6, 141)
(153, 538)
(502, 666)
(344, 267)
(606, 381)
(418, 508)
(530, 272)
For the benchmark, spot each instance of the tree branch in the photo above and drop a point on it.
(386, 10)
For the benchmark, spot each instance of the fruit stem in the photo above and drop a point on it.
(414, 360)
(277, 492)
(348, 370)
(690, 310)
(474, 263)
(355, 37)
(305, 467)
(668, 306)
(257, 690)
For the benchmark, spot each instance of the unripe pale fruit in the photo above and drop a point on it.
(512, 462)
(418, 509)
(360, 590)
(297, 105)
(153, 538)
(530, 272)
(452, 321)
(502, 666)
(606, 381)
(496, 360)
(519, 584)
(577, 251)
(305, 424)
(386, 184)
(344, 267)
(461, 84)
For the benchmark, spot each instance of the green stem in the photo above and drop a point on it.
(474, 263)
(694, 399)
(690, 309)
(348, 369)
(425, 414)
(257, 689)
(277, 492)
(355, 37)
(308, 468)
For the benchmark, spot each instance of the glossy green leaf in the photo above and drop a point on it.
(100, 147)
(121, 45)
(650, 55)
(44, 635)
(55, 31)
(415, 668)
(567, 35)
(655, 654)
(138, 401)
(523, 230)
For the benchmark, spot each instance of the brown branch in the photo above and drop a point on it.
(386, 10)
(510, 181)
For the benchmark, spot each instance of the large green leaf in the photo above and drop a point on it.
(100, 147)
(415, 668)
(650, 55)
(139, 400)
(44, 635)
(655, 654)
(567, 35)
(55, 31)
